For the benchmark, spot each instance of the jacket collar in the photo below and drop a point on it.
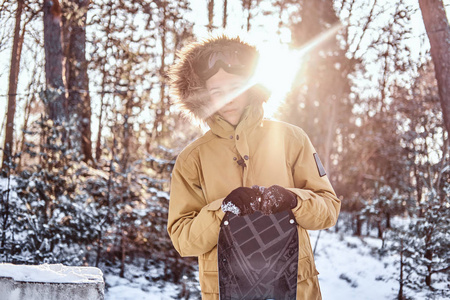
(251, 117)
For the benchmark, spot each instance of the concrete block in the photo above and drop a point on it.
(50, 282)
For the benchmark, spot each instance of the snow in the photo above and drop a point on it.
(349, 270)
(54, 273)
(229, 206)
(349, 267)
(137, 289)
(159, 193)
(352, 268)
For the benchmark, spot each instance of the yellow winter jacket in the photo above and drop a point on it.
(207, 170)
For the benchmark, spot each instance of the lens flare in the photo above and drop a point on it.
(276, 71)
(277, 68)
(279, 65)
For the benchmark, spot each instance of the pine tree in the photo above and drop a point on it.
(55, 221)
(424, 245)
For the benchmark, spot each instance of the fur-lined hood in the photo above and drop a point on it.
(188, 88)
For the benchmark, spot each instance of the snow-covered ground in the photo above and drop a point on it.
(138, 289)
(350, 268)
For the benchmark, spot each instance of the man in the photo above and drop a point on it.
(240, 159)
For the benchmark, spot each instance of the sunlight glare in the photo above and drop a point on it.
(278, 66)
(276, 70)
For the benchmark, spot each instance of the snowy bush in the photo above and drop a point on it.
(49, 219)
(423, 246)
(112, 215)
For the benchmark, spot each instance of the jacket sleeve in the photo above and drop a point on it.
(318, 206)
(193, 224)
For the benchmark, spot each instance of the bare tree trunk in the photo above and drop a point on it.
(161, 111)
(79, 107)
(3, 121)
(358, 229)
(380, 227)
(438, 31)
(429, 256)
(225, 14)
(21, 142)
(98, 149)
(247, 4)
(400, 291)
(388, 220)
(210, 15)
(330, 136)
(12, 91)
(55, 98)
(99, 250)
(122, 254)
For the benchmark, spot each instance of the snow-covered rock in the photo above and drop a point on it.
(50, 281)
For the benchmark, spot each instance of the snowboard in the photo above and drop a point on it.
(258, 256)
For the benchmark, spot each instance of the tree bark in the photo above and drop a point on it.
(210, 15)
(358, 228)
(225, 14)
(27, 113)
(12, 90)
(400, 290)
(161, 111)
(438, 31)
(104, 71)
(247, 4)
(98, 148)
(79, 106)
(21, 142)
(55, 98)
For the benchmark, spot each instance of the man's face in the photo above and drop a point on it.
(227, 94)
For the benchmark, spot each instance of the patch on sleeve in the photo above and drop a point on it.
(319, 165)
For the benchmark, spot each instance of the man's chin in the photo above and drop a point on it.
(232, 121)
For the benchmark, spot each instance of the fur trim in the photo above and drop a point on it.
(189, 89)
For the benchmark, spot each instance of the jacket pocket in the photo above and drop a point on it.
(209, 265)
(209, 275)
(306, 269)
(210, 282)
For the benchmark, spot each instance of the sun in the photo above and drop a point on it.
(276, 70)
(279, 65)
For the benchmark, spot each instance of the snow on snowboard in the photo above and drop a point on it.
(258, 256)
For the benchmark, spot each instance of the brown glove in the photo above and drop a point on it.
(275, 199)
(241, 201)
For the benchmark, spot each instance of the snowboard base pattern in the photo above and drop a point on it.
(258, 256)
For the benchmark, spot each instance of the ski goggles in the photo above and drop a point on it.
(234, 62)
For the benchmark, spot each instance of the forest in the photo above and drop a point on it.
(90, 133)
